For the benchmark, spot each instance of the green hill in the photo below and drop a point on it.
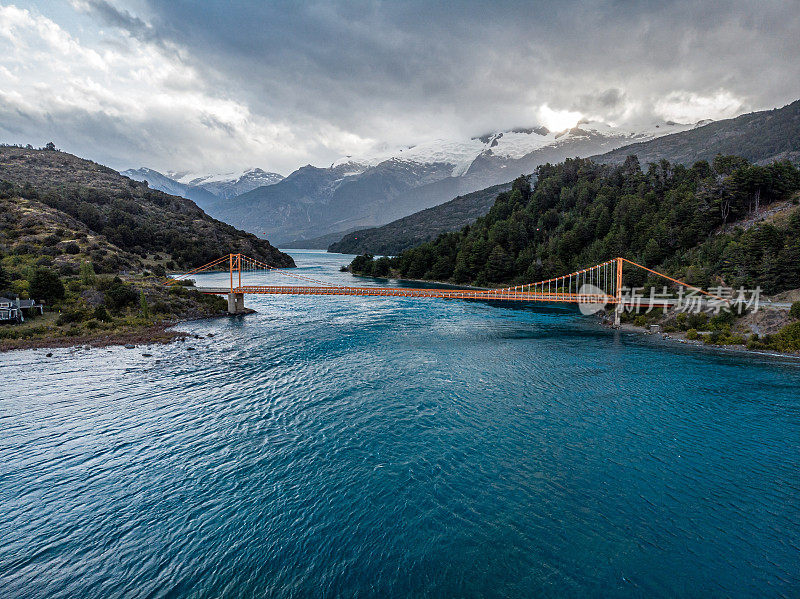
(94, 247)
(125, 213)
(668, 217)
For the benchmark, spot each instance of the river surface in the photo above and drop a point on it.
(396, 447)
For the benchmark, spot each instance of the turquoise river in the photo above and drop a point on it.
(393, 447)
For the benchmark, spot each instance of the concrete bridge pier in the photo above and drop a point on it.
(617, 310)
(236, 303)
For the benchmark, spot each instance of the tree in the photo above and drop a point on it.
(381, 267)
(46, 285)
(87, 273)
(726, 165)
(100, 313)
(50, 146)
(498, 265)
(5, 280)
(144, 309)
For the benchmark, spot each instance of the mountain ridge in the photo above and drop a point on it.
(365, 192)
(207, 191)
(420, 227)
(760, 137)
(764, 136)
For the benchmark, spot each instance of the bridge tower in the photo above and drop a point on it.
(235, 299)
(618, 306)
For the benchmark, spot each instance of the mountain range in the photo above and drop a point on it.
(318, 204)
(420, 227)
(359, 192)
(760, 137)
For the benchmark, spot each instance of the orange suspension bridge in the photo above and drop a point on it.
(599, 284)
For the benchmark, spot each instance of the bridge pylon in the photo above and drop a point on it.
(235, 299)
(618, 306)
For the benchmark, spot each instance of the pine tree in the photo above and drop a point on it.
(144, 309)
(5, 280)
(87, 273)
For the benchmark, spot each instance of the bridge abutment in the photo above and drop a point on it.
(236, 303)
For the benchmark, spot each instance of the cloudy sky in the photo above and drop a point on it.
(215, 86)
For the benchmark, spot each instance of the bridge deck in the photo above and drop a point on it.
(476, 294)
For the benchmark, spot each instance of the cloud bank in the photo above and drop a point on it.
(173, 86)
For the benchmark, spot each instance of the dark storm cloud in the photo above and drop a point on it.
(289, 83)
(413, 64)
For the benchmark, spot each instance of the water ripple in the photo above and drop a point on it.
(372, 448)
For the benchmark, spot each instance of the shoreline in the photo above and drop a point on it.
(159, 334)
(680, 339)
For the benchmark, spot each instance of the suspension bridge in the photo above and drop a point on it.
(600, 285)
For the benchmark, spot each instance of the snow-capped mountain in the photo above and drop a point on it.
(156, 180)
(515, 144)
(228, 185)
(373, 190)
(207, 191)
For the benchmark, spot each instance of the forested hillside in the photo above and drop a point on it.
(420, 227)
(126, 213)
(666, 216)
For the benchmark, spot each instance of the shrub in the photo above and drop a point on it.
(214, 302)
(794, 311)
(722, 321)
(640, 321)
(67, 269)
(161, 307)
(70, 316)
(692, 334)
(120, 295)
(697, 320)
(788, 338)
(100, 313)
